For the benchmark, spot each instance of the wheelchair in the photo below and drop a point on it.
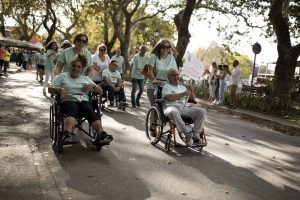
(56, 124)
(161, 128)
(119, 104)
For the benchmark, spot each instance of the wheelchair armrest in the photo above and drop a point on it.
(159, 101)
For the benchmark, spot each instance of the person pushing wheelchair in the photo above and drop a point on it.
(74, 89)
(175, 109)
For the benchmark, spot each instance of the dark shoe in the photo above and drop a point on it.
(138, 104)
(196, 140)
(192, 101)
(66, 134)
(200, 143)
(103, 139)
(111, 103)
(133, 106)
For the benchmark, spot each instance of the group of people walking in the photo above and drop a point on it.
(72, 69)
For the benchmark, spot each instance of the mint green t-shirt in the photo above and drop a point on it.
(138, 63)
(162, 66)
(121, 62)
(112, 76)
(40, 59)
(50, 56)
(72, 86)
(68, 54)
(172, 89)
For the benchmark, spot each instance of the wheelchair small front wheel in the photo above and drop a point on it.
(154, 125)
(168, 144)
(59, 145)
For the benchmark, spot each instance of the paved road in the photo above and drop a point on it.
(242, 160)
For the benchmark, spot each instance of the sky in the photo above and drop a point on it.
(202, 36)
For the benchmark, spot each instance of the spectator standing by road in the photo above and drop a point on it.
(212, 81)
(6, 59)
(138, 61)
(120, 59)
(233, 83)
(222, 79)
(51, 51)
(1, 58)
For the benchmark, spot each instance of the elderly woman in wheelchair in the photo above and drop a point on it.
(172, 109)
(74, 89)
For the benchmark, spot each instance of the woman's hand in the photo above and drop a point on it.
(117, 89)
(63, 93)
(188, 92)
(88, 87)
(154, 82)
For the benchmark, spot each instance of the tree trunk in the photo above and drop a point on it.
(284, 76)
(287, 54)
(51, 30)
(2, 27)
(182, 21)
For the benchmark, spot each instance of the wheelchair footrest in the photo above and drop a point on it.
(70, 142)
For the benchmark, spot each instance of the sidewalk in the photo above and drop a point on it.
(279, 124)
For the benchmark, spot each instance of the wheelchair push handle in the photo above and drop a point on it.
(159, 82)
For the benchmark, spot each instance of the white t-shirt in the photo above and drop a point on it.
(173, 89)
(235, 76)
(102, 65)
(112, 76)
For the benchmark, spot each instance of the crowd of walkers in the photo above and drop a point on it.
(73, 65)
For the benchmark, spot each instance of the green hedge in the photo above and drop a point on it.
(260, 103)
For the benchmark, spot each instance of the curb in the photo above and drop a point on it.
(278, 124)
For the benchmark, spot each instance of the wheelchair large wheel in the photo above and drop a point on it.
(154, 124)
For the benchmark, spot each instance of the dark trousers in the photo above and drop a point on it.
(140, 83)
(6, 64)
(112, 93)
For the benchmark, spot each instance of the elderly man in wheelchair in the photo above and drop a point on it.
(74, 89)
(176, 110)
(172, 110)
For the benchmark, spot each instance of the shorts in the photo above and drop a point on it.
(40, 66)
(77, 110)
(232, 90)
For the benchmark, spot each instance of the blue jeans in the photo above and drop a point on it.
(221, 91)
(136, 82)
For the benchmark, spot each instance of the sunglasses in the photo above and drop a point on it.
(165, 47)
(81, 41)
(102, 50)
